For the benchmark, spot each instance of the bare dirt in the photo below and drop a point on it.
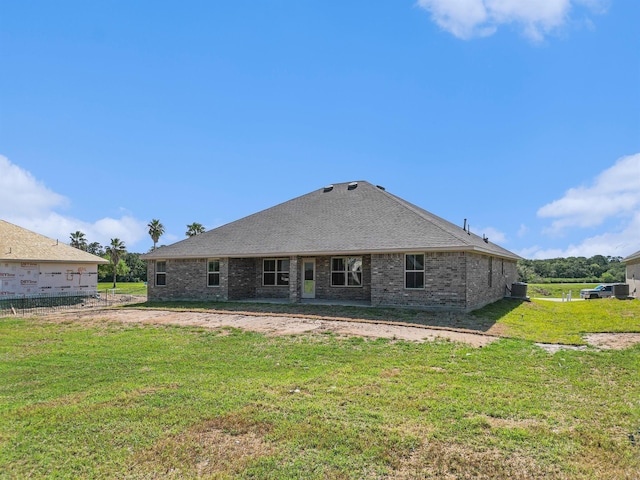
(281, 324)
(278, 324)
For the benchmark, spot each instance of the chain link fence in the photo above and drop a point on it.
(46, 303)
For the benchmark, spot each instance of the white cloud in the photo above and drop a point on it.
(612, 200)
(28, 203)
(22, 195)
(616, 244)
(523, 230)
(478, 18)
(495, 236)
(614, 193)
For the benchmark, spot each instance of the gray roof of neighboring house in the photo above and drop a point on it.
(341, 220)
(18, 244)
(632, 258)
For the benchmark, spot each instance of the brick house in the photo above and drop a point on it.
(32, 265)
(633, 273)
(345, 242)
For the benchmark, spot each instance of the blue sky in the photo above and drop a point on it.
(521, 116)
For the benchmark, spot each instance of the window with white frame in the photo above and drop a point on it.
(213, 273)
(414, 271)
(346, 272)
(275, 272)
(161, 273)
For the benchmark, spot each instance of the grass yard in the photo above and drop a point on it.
(562, 322)
(109, 400)
(127, 288)
(555, 290)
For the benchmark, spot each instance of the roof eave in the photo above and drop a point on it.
(42, 260)
(318, 253)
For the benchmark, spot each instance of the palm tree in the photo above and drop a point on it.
(78, 240)
(156, 229)
(195, 229)
(115, 250)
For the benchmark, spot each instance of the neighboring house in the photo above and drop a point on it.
(633, 274)
(32, 264)
(346, 242)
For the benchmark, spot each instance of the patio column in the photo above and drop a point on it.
(294, 280)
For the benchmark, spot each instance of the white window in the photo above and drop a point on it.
(275, 271)
(346, 272)
(213, 273)
(161, 273)
(414, 271)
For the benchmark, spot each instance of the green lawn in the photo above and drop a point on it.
(107, 400)
(555, 290)
(129, 288)
(562, 322)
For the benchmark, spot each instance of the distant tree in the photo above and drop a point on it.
(137, 268)
(115, 251)
(78, 240)
(595, 269)
(105, 272)
(96, 249)
(156, 230)
(608, 277)
(194, 229)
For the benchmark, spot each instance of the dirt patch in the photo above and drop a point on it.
(203, 451)
(280, 324)
(601, 341)
(613, 341)
(291, 324)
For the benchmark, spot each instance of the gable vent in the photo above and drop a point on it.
(352, 186)
(328, 188)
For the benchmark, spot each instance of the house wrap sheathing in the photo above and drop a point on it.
(32, 264)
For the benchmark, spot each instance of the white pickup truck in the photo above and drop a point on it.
(601, 291)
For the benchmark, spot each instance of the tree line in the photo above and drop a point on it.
(125, 266)
(596, 269)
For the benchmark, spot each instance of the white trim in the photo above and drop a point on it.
(313, 293)
(276, 271)
(209, 260)
(156, 273)
(424, 267)
(344, 253)
(346, 272)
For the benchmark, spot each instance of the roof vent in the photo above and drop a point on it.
(380, 187)
(352, 186)
(328, 188)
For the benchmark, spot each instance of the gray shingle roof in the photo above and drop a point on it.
(632, 258)
(19, 244)
(343, 220)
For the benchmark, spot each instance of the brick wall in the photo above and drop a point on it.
(453, 281)
(186, 279)
(444, 279)
(242, 278)
(294, 279)
(487, 278)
